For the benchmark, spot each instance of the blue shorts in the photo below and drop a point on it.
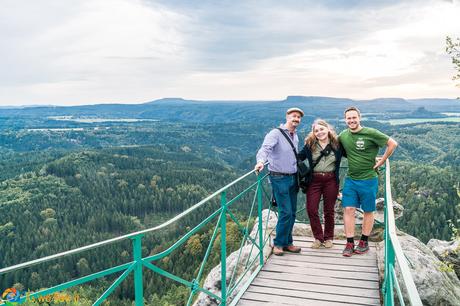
(360, 193)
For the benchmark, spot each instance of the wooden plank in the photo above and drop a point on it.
(315, 271)
(298, 239)
(285, 300)
(346, 261)
(336, 246)
(313, 295)
(316, 277)
(308, 241)
(244, 302)
(324, 279)
(325, 266)
(312, 287)
(331, 252)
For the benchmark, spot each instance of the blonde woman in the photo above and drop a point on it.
(324, 153)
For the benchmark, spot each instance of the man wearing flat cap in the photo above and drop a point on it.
(282, 166)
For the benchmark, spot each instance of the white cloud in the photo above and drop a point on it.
(78, 52)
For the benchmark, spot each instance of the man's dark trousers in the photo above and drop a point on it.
(285, 191)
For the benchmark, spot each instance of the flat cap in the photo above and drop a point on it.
(295, 109)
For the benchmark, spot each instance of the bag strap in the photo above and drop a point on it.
(317, 161)
(290, 142)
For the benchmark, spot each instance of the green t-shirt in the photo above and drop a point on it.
(362, 149)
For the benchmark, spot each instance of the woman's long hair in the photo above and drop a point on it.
(310, 140)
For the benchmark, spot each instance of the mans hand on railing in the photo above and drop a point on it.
(379, 161)
(259, 167)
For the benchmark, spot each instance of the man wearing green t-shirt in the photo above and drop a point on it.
(361, 145)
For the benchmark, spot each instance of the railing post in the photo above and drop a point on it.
(259, 213)
(223, 247)
(387, 287)
(138, 282)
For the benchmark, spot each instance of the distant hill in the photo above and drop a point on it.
(179, 109)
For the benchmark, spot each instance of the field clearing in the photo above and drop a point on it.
(420, 120)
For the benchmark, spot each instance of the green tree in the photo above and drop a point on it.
(453, 49)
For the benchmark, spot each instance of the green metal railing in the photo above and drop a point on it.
(394, 251)
(231, 290)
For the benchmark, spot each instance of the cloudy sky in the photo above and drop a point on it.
(132, 51)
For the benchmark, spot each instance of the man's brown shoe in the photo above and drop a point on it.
(292, 249)
(278, 251)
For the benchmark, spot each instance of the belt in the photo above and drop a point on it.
(273, 173)
(324, 173)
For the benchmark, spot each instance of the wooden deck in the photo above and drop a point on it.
(316, 277)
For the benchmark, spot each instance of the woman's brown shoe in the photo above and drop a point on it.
(328, 244)
(316, 244)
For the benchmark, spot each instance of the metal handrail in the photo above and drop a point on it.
(393, 250)
(136, 266)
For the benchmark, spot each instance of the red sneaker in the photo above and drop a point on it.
(349, 249)
(362, 247)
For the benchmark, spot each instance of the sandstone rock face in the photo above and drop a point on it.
(435, 286)
(448, 252)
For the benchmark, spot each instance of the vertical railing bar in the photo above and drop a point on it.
(389, 301)
(259, 223)
(223, 249)
(386, 243)
(267, 234)
(138, 281)
(398, 287)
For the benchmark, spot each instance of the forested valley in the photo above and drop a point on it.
(64, 185)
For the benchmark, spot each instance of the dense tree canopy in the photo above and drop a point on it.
(63, 189)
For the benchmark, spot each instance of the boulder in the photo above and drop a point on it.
(448, 252)
(435, 286)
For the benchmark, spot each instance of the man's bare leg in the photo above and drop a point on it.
(368, 223)
(349, 227)
(349, 221)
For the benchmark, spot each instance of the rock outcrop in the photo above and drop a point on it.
(435, 286)
(448, 252)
